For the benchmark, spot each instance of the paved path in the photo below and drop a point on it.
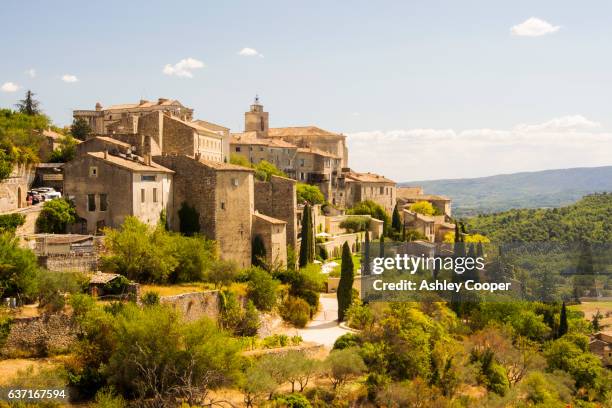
(324, 328)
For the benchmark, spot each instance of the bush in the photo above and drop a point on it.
(150, 298)
(189, 220)
(323, 254)
(19, 271)
(359, 316)
(54, 286)
(275, 341)
(10, 222)
(261, 289)
(264, 170)
(355, 224)
(55, 216)
(293, 401)
(117, 286)
(370, 208)
(295, 311)
(347, 340)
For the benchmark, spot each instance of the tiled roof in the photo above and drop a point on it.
(316, 151)
(301, 131)
(53, 135)
(209, 125)
(268, 219)
(422, 217)
(137, 166)
(102, 278)
(144, 104)
(225, 166)
(193, 125)
(367, 178)
(250, 138)
(110, 140)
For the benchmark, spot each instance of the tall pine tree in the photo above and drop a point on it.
(29, 105)
(307, 244)
(345, 286)
(365, 265)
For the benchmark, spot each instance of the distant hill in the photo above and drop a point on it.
(540, 189)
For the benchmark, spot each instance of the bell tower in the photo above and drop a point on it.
(256, 120)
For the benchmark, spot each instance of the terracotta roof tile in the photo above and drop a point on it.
(301, 131)
(269, 219)
(137, 166)
(367, 178)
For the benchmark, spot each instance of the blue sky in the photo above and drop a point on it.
(448, 77)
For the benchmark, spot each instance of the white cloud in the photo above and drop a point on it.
(9, 87)
(534, 27)
(249, 52)
(422, 154)
(69, 78)
(31, 73)
(183, 68)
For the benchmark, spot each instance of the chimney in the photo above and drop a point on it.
(105, 154)
(161, 100)
(98, 106)
(147, 159)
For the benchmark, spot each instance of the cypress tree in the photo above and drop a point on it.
(365, 265)
(396, 223)
(307, 244)
(403, 233)
(345, 286)
(381, 249)
(258, 252)
(562, 321)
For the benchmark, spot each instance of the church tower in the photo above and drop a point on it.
(256, 120)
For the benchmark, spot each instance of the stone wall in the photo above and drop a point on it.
(14, 189)
(273, 234)
(277, 198)
(178, 137)
(195, 305)
(38, 336)
(85, 263)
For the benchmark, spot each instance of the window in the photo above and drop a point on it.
(237, 148)
(222, 205)
(93, 171)
(103, 202)
(235, 182)
(91, 202)
(147, 177)
(301, 162)
(261, 149)
(142, 195)
(382, 190)
(154, 195)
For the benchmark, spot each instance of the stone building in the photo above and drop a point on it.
(255, 150)
(356, 187)
(433, 227)
(222, 196)
(600, 344)
(277, 198)
(273, 233)
(124, 118)
(106, 187)
(14, 189)
(410, 195)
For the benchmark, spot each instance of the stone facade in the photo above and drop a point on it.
(106, 189)
(357, 187)
(222, 194)
(14, 189)
(124, 118)
(277, 198)
(411, 195)
(274, 236)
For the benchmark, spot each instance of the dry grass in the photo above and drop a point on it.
(9, 368)
(590, 308)
(178, 289)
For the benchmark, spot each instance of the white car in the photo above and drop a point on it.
(52, 195)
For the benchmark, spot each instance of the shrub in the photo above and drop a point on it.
(355, 224)
(261, 289)
(117, 286)
(264, 170)
(423, 207)
(55, 216)
(309, 194)
(189, 219)
(323, 254)
(18, 274)
(296, 311)
(347, 340)
(54, 286)
(293, 401)
(150, 298)
(359, 316)
(10, 222)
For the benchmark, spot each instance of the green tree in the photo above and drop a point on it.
(239, 160)
(307, 194)
(262, 289)
(29, 105)
(18, 268)
(296, 311)
(189, 219)
(80, 129)
(345, 285)
(396, 222)
(258, 252)
(307, 243)
(373, 209)
(55, 216)
(423, 207)
(222, 273)
(343, 365)
(562, 321)
(264, 170)
(65, 152)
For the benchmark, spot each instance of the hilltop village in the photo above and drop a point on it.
(154, 157)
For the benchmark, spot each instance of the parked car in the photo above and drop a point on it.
(52, 195)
